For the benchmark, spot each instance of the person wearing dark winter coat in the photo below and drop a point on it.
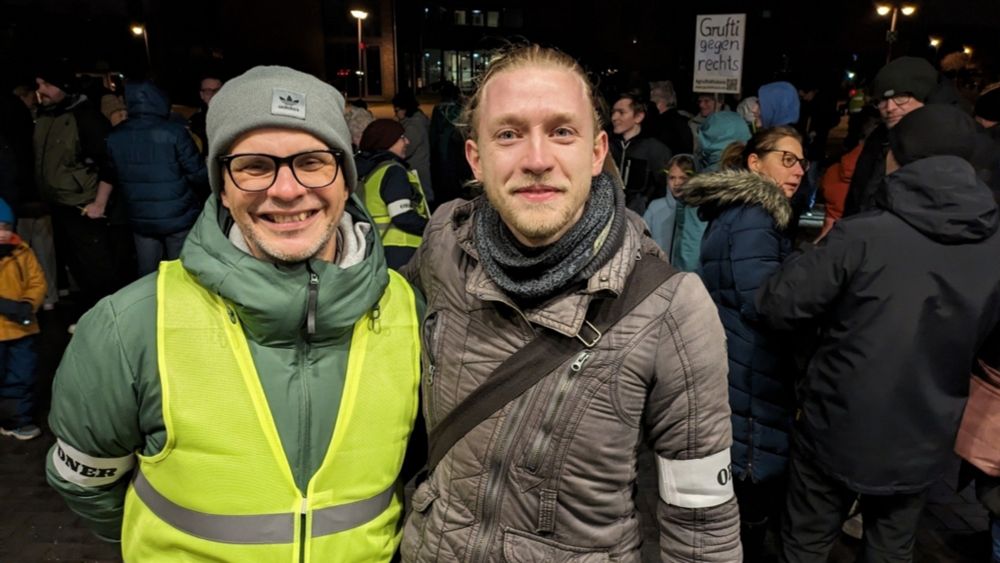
(902, 297)
(158, 167)
(641, 159)
(748, 210)
(901, 86)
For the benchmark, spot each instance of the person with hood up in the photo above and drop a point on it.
(157, 167)
(902, 299)
(747, 208)
(22, 290)
(720, 130)
(253, 400)
(779, 104)
(391, 190)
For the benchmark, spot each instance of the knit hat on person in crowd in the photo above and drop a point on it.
(988, 105)
(6, 213)
(58, 73)
(905, 75)
(279, 97)
(380, 135)
(933, 130)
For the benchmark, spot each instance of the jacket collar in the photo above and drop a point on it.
(271, 299)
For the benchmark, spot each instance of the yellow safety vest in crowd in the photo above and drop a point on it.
(222, 489)
(392, 235)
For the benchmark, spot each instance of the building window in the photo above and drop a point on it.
(477, 18)
(459, 17)
(492, 19)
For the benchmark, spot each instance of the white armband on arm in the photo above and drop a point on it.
(399, 207)
(88, 471)
(696, 483)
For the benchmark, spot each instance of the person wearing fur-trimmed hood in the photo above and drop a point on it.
(747, 210)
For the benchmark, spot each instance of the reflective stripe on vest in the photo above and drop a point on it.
(221, 489)
(371, 194)
(259, 528)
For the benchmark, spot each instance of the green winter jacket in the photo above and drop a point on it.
(70, 151)
(106, 395)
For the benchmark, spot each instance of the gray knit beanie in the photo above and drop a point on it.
(277, 96)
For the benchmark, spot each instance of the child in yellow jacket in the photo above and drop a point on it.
(22, 290)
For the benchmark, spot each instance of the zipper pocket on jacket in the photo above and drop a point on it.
(538, 445)
(431, 339)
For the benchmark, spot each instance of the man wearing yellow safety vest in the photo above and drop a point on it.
(253, 400)
(391, 190)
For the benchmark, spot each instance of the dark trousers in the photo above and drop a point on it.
(84, 245)
(760, 507)
(817, 505)
(18, 361)
(149, 250)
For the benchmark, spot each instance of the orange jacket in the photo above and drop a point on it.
(834, 185)
(21, 279)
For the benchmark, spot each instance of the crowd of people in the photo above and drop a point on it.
(497, 305)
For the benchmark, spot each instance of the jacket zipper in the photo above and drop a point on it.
(305, 347)
(434, 331)
(541, 440)
(499, 465)
(750, 452)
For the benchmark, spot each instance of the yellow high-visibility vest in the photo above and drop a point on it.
(391, 235)
(222, 490)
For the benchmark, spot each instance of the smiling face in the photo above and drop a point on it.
(287, 222)
(769, 164)
(536, 150)
(625, 120)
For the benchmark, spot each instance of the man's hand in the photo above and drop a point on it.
(93, 210)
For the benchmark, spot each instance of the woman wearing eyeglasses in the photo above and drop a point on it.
(747, 210)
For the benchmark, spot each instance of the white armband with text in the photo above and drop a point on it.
(399, 207)
(88, 471)
(696, 483)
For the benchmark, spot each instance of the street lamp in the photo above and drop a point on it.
(967, 50)
(360, 15)
(886, 9)
(935, 42)
(139, 29)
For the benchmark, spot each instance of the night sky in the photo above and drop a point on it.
(638, 39)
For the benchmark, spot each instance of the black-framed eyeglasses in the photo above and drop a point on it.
(788, 159)
(899, 100)
(253, 172)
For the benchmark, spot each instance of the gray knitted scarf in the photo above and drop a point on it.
(536, 273)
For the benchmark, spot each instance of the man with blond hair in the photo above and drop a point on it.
(547, 285)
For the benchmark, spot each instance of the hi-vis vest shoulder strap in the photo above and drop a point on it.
(221, 488)
(391, 235)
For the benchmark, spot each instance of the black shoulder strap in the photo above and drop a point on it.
(541, 356)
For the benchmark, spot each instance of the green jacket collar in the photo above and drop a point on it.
(271, 299)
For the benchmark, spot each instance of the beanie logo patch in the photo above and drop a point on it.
(288, 103)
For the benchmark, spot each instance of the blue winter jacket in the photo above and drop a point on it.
(743, 245)
(156, 164)
(779, 104)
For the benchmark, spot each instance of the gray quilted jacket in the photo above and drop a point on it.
(551, 476)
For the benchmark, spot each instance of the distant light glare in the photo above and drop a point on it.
(935, 42)
(883, 9)
(137, 30)
(360, 14)
(908, 9)
(967, 50)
